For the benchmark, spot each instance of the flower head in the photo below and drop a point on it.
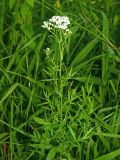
(58, 22)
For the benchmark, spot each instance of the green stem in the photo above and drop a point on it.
(2, 5)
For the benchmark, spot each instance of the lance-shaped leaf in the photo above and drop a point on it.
(84, 52)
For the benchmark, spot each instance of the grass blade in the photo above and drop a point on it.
(84, 52)
(51, 154)
(109, 156)
(8, 92)
(40, 120)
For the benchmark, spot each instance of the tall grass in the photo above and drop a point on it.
(59, 96)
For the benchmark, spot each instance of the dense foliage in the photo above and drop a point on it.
(60, 94)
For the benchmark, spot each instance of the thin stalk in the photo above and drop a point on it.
(2, 5)
(11, 130)
(61, 49)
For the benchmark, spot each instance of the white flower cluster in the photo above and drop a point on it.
(59, 22)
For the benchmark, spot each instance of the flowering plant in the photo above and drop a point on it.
(56, 54)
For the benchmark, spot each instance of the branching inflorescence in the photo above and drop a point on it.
(58, 22)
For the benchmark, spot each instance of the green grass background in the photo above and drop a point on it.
(68, 110)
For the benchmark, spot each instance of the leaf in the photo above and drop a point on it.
(91, 79)
(109, 156)
(39, 120)
(2, 17)
(8, 92)
(27, 29)
(24, 10)
(105, 48)
(58, 5)
(40, 44)
(11, 4)
(84, 52)
(102, 138)
(51, 154)
(30, 2)
(17, 129)
(29, 42)
(105, 25)
(3, 135)
(84, 64)
(31, 67)
(34, 99)
(72, 132)
(111, 135)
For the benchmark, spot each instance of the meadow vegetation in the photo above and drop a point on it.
(60, 95)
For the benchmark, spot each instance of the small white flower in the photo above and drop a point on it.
(47, 49)
(59, 22)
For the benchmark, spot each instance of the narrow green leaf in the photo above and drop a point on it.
(39, 120)
(109, 156)
(2, 15)
(84, 52)
(105, 25)
(17, 129)
(34, 99)
(3, 135)
(40, 43)
(27, 29)
(11, 3)
(113, 87)
(31, 67)
(72, 132)
(91, 79)
(111, 135)
(30, 2)
(24, 9)
(29, 42)
(81, 65)
(9, 91)
(102, 138)
(105, 48)
(51, 154)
